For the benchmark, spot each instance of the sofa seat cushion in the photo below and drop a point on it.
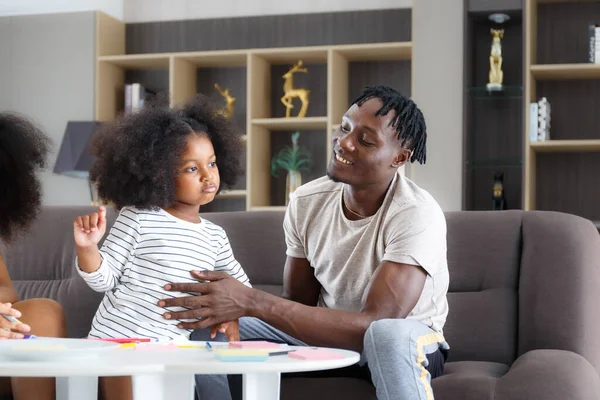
(468, 380)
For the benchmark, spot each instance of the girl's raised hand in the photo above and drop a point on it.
(89, 229)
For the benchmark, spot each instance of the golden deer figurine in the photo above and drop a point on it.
(229, 99)
(496, 75)
(290, 92)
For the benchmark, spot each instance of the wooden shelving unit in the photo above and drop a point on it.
(565, 179)
(183, 71)
(232, 194)
(565, 71)
(286, 124)
(565, 146)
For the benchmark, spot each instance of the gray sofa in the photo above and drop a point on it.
(524, 298)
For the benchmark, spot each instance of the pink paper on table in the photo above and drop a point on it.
(255, 344)
(315, 354)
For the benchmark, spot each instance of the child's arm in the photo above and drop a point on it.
(102, 269)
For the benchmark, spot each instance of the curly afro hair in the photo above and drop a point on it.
(23, 151)
(138, 154)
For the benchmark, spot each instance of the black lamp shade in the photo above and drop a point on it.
(74, 158)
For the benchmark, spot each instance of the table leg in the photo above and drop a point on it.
(163, 386)
(77, 388)
(261, 386)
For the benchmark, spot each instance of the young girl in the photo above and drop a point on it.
(23, 153)
(158, 166)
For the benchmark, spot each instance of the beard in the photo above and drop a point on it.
(333, 177)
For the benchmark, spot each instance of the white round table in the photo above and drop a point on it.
(162, 374)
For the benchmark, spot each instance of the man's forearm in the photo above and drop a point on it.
(8, 294)
(315, 326)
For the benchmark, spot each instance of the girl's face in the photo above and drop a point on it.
(197, 175)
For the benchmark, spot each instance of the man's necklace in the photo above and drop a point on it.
(348, 208)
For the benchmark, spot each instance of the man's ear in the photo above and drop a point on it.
(402, 157)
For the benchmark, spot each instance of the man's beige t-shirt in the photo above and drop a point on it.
(408, 228)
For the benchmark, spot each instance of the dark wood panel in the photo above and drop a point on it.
(313, 141)
(270, 31)
(396, 74)
(496, 129)
(573, 104)
(568, 182)
(562, 34)
(315, 81)
(481, 181)
(488, 6)
(494, 124)
(220, 205)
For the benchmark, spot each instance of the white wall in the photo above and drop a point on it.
(165, 10)
(47, 74)
(23, 7)
(437, 73)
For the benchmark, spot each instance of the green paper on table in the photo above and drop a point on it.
(234, 355)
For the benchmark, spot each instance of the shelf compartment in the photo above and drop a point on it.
(312, 81)
(566, 146)
(280, 124)
(568, 183)
(565, 71)
(313, 141)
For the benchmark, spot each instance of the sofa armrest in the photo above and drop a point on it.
(549, 375)
(558, 285)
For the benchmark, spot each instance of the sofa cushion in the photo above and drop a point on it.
(468, 380)
(258, 242)
(484, 251)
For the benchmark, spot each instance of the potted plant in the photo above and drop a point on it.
(294, 160)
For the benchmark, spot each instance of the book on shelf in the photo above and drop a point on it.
(594, 44)
(544, 110)
(539, 120)
(135, 96)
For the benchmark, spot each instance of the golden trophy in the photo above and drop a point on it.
(290, 92)
(229, 99)
(496, 74)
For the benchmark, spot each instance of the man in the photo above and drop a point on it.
(366, 265)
